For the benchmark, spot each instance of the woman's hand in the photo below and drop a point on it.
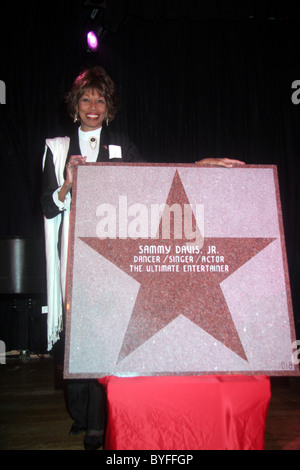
(75, 160)
(224, 162)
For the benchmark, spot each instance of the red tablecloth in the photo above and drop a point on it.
(187, 413)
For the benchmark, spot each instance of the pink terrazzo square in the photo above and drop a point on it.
(177, 269)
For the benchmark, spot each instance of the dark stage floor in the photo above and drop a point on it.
(34, 417)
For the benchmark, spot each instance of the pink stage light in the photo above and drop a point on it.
(92, 41)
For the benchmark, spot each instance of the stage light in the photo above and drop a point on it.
(92, 41)
(94, 36)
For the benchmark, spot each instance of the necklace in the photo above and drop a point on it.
(93, 142)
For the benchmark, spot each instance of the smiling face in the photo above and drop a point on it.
(92, 110)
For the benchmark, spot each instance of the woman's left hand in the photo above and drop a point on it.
(223, 162)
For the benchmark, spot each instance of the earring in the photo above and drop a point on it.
(76, 118)
(107, 121)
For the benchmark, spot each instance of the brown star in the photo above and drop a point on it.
(195, 293)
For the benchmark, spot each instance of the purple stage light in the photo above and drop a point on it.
(92, 40)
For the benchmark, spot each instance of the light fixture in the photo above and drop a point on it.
(94, 30)
(93, 37)
(92, 41)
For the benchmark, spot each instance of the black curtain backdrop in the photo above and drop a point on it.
(195, 79)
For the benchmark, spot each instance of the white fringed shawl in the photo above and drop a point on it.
(56, 268)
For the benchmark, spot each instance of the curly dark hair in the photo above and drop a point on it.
(94, 78)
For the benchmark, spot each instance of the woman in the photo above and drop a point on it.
(92, 102)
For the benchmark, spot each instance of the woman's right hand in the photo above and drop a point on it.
(75, 160)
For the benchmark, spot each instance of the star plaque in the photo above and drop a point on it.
(177, 270)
